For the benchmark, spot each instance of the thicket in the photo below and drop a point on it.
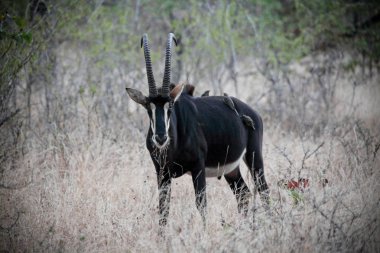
(214, 37)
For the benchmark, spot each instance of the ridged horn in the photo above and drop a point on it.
(148, 62)
(168, 56)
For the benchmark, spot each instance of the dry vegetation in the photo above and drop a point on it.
(83, 187)
(75, 175)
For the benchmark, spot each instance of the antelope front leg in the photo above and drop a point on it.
(199, 182)
(164, 188)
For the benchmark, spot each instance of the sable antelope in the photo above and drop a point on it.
(202, 136)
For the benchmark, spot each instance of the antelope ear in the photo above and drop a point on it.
(137, 96)
(189, 89)
(176, 91)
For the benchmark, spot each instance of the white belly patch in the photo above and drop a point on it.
(223, 169)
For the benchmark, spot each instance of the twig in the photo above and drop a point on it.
(377, 147)
(282, 152)
(9, 117)
(315, 150)
(330, 219)
(12, 225)
(3, 186)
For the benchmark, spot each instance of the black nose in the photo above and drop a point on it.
(161, 139)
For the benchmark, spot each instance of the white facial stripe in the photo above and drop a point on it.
(166, 108)
(167, 120)
(153, 123)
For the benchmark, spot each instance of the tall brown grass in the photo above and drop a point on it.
(101, 195)
(91, 189)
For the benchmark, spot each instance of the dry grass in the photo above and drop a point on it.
(101, 195)
(84, 189)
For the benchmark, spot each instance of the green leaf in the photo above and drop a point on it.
(93, 89)
(26, 36)
(20, 22)
(297, 196)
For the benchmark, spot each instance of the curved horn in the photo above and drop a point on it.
(148, 62)
(166, 81)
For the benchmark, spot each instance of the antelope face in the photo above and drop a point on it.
(160, 101)
(160, 110)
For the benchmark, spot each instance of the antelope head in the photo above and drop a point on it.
(159, 103)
